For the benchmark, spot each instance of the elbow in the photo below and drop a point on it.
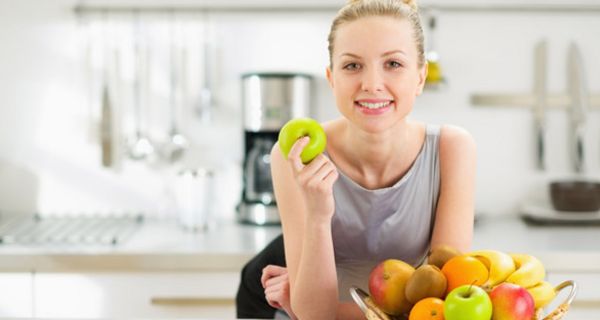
(304, 310)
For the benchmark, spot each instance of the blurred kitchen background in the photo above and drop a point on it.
(56, 62)
(131, 111)
(58, 56)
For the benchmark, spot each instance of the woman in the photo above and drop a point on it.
(386, 187)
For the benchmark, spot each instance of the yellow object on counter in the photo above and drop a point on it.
(434, 72)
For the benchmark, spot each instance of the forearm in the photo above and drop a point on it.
(315, 289)
(349, 311)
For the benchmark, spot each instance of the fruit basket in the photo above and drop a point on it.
(372, 312)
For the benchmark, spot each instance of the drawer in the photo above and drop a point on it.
(16, 295)
(155, 295)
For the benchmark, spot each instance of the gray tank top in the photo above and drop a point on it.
(395, 222)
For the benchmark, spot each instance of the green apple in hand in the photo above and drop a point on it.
(298, 128)
(468, 302)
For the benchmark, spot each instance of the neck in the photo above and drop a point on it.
(374, 154)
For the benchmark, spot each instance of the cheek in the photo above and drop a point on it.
(344, 88)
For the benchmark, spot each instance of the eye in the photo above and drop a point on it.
(351, 66)
(394, 64)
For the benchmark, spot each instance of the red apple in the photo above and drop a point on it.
(511, 302)
(387, 284)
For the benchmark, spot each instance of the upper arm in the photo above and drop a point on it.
(291, 209)
(455, 209)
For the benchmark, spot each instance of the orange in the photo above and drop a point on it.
(428, 309)
(462, 270)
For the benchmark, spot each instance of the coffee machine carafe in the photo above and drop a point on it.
(269, 101)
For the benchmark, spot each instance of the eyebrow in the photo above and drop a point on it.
(387, 53)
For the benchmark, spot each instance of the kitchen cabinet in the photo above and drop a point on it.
(136, 294)
(16, 294)
(326, 4)
(587, 302)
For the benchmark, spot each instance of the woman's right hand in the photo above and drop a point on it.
(315, 180)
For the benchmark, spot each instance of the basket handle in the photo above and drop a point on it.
(562, 309)
(359, 296)
(572, 294)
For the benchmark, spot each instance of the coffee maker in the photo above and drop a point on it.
(269, 100)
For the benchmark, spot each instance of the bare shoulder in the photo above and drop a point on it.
(456, 139)
(277, 158)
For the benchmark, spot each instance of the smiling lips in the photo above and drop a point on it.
(374, 107)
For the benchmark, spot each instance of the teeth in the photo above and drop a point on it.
(374, 105)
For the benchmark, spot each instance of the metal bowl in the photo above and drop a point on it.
(575, 196)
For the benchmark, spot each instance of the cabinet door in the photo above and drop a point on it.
(16, 296)
(587, 302)
(152, 295)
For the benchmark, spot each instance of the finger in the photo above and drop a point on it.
(273, 303)
(271, 271)
(273, 299)
(294, 154)
(314, 166)
(276, 280)
(331, 177)
(323, 172)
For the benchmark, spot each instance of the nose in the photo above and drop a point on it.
(372, 80)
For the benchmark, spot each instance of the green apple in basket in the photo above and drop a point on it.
(298, 128)
(468, 302)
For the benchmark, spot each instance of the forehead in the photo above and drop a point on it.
(375, 34)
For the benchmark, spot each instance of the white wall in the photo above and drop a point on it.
(49, 158)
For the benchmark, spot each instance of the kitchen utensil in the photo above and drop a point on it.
(579, 105)
(106, 141)
(204, 102)
(140, 146)
(107, 121)
(176, 143)
(575, 196)
(269, 101)
(540, 102)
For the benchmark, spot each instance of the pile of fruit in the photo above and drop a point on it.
(479, 285)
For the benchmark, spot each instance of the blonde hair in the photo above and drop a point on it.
(403, 9)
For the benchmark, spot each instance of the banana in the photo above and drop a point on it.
(530, 270)
(543, 293)
(499, 264)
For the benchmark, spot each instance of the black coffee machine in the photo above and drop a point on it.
(269, 101)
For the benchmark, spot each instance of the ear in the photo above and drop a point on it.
(329, 77)
(422, 78)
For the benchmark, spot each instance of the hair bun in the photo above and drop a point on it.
(411, 3)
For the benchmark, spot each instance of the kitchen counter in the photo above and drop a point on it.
(163, 245)
(561, 248)
(158, 245)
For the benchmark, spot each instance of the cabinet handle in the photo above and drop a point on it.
(190, 301)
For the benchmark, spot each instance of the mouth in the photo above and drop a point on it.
(374, 106)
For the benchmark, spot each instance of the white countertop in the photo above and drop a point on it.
(561, 248)
(163, 245)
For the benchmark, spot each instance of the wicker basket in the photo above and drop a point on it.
(372, 312)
